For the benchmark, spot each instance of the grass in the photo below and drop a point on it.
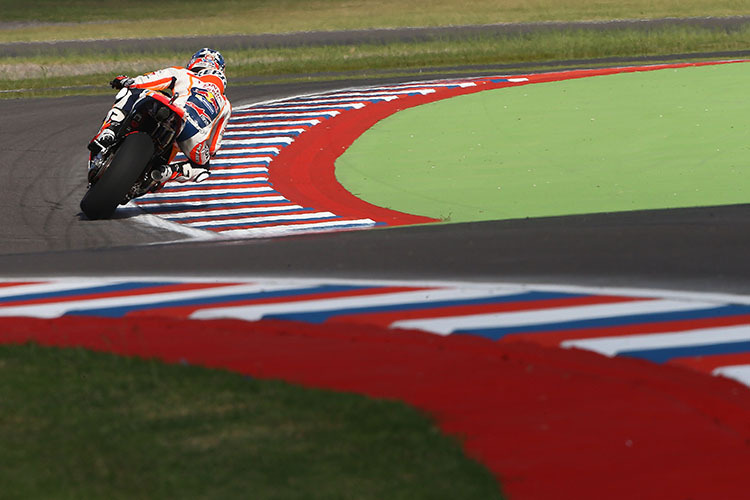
(83, 72)
(75, 424)
(87, 71)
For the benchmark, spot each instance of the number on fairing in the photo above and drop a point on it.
(115, 115)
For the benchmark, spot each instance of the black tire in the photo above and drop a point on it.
(102, 198)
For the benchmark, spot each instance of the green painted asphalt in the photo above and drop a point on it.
(658, 139)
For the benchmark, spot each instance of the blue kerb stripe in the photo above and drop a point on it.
(178, 207)
(270, 211)
(371, 100)
(665, 354)
(233, 155)
(499, 80)
(281, 119)
(215, 301)
(222, 175)
(302, 229)
(248, 145)
(167, 199)
(234, 138)
(323, 316)
(119, 287)
(261, 135)
(247, 225)
(635, 319)
(343, 226)
(305, 109)
(239, 184)
(248, 136)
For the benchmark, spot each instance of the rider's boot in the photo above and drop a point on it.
(162, 173)
(191, 172)
(180, 172)
(102, 140)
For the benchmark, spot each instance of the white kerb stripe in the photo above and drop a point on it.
(56, 309)
(610, 346)
(259, 219)
(56, 286)
(231, 211)
(740, 373)
(179, 194)
(274, 108)
(363, 94)
(207, 203)
(274, 123)
(276, 230)
(247, 160)
(447, 325)
(253, 313)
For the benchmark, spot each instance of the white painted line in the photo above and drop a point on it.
(239, 170)
(216, 181)
(416, 85)
(233, 147)
(375, 93)
(250, 114)
(54, 310)
(240, 161)
(178, 194)
(275, 133)
(275, 123)
(228, 137)
(231, 211)
(305, 107)
(256, 312)
(610, 346)
(740, 373)
(447, 325)
(288, 229)
(56, 285)
(258, 219)
(222, 201)
(283, 104)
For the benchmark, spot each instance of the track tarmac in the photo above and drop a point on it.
(43, 233)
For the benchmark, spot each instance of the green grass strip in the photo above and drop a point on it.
(650, 140)
(75, 424)
(80, 72)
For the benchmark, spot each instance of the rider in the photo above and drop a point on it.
(199, 90)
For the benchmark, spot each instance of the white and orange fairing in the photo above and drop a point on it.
(207, 109)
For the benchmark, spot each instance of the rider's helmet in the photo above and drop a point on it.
(206, 58)
(217, 73)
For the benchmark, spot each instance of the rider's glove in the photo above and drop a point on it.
(121, 81)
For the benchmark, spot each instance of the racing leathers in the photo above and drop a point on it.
(200, 94)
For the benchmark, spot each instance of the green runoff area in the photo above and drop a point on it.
(647, 140)
(78, 424)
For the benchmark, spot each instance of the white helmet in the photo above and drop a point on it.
(206, 58)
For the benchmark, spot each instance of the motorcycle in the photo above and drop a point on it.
(143, 144)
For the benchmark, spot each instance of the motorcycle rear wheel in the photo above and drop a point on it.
(102, 198)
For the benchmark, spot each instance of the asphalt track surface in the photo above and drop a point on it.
(42, 179)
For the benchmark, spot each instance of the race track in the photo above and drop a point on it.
(43, 179)
(694, 249)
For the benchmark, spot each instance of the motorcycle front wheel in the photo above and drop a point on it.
(131, 158)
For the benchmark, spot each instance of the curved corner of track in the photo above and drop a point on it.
(595, 393)
(597, 418)
(275, 173)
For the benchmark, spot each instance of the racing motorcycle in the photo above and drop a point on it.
(129, 167)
